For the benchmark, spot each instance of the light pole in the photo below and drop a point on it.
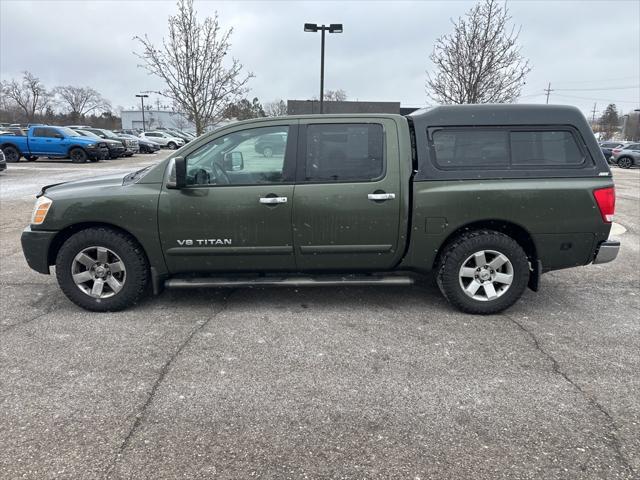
(332, 28)
(142, 97)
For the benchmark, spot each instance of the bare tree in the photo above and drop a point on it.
(79, 101)
(30, 95)
(277, 108)
(179, 121)
(191, 63)
(335, 95)
(480, 62)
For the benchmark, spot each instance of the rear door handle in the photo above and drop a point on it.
(381, 196)
(273, 200)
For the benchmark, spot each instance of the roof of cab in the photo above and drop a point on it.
(499, 114)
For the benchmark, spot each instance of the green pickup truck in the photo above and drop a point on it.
(487, 197)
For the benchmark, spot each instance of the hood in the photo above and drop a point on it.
(103, 181)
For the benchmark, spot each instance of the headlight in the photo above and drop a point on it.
(91, 145)
(40, 210)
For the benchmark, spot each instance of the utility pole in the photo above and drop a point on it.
(593, 114)
(548, 90)
(142, 97)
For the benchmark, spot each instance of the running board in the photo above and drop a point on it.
(299, 281)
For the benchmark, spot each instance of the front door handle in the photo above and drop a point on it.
(376, 197)
(273, 200)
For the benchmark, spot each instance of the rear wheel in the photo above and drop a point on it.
(101, 269)
(31, 158)
(11, 154)
(483, 272)
(78, 155)
(625, 162)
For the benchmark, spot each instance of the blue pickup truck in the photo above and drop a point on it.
(54, 142)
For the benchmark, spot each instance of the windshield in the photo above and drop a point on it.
(67, 132)
(109, 134)
(88, 134)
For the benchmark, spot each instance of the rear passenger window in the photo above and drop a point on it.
(471, 148)
(545, 148)
(347, 152)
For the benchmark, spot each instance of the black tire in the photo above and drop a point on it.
(31, 158)
(625, 162)
(267, 151)
(78, 155)
(458, 252)
(172, 145)
(131, 254)
(11, 154)
(94, 160)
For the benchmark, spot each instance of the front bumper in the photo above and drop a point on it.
(3, 166)
(35, 246)
(607, 251)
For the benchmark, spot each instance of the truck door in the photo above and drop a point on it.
(47, 141)
(347, 202)
(235, 213)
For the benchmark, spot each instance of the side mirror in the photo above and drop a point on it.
(180, 167)
(58, 135)
(233, 162)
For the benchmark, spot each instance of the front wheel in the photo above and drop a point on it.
(101, 269)
(483, 272)
(625, 162)
(267, 152)
(172, 145)
(78, 155)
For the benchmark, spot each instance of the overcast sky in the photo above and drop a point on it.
(588, 50)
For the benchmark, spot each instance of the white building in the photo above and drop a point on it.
(155, 119)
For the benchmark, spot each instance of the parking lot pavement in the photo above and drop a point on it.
(318, 383)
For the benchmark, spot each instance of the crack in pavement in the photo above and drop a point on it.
(142, 413)
(612, 435)
(49, 309)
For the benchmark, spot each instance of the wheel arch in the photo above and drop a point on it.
(9, 144)
(73, 147)
(64, 234)
(520, 234)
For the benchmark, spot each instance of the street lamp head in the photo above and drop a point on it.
(142, 96)
(335, 28)
(310, 27)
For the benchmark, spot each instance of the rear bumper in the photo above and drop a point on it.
(35, 246)
(607, 251)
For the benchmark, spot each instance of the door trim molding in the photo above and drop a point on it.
(315, 249)
(193, 251)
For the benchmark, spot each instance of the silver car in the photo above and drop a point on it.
(627, 156)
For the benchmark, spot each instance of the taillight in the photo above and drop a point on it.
(606, 200)
(616, 150)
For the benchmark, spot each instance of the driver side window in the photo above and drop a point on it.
(248, 157)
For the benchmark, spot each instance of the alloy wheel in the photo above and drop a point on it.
(98, 272)
(486, 275)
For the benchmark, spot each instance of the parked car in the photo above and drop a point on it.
(131, 145)
(607, 148)
(3, 162)
(176, 133)
(163, 138)
(268, 145)
(352, 200)
(115, 147)
(627, 156)
(146, 146)
(54, 142)
(16, 130)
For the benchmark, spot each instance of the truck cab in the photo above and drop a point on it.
(349, 199)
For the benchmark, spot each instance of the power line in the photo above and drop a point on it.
(596, 89)
(598, 99)
(582, 82)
